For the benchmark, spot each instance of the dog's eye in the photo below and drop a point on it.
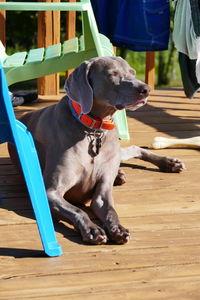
(132, 72)
(114, 73)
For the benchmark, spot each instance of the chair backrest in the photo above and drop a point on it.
(40, 62)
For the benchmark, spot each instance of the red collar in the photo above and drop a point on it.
(94, 123)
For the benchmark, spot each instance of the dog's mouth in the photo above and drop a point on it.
(119, 107)
(138, 104)
(133, 106)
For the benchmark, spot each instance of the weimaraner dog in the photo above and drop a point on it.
(79, 149)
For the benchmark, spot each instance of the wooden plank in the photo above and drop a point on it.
(35, 55)
(70, 28)
(15, 60)
(183, 125)
(70, 46)
(48, 34)
(164, 232)
(12, 218)
(160, 262)
(14, 203)
(179, 226)
(7, 169)
(150, 69)
(152, 283)
(9, 180)
(107, 261)
(14, 191)
(146, 248)
(3, 151)
(176, 201)
(53, 51)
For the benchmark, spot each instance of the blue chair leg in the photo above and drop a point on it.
(37, 192)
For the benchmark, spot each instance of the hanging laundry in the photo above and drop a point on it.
(139, 25)
(186, 36)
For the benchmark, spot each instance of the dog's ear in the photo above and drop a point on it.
(78, 88)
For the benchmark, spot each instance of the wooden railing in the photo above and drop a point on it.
(49, 33)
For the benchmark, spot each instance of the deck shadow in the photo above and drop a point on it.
(162, 116)
(21, 253)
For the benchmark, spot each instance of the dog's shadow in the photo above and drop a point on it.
(14, 197)
(22, 207)
(139, 167)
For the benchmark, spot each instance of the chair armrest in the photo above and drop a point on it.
(41, 6)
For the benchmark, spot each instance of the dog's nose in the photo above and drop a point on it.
(144, 89)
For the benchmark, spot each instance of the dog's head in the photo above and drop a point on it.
(108, 82)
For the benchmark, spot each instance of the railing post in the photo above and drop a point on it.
(48, 34)
(70, 28)
(3, 25)
(150, 69)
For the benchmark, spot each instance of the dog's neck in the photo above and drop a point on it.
(102, 110)
(91, 121)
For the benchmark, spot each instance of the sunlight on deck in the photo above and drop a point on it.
(161, 210)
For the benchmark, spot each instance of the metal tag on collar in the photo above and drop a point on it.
(98, 136)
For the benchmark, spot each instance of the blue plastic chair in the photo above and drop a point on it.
(13, 131)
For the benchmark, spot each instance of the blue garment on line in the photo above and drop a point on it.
(139, 25)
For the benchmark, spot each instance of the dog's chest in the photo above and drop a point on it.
(92, 163)
(88, 168)
(89, 175)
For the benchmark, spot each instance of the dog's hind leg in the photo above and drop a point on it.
(165, 164)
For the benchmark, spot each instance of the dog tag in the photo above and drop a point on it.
(98, 136)
(95, 142)
(98, 144)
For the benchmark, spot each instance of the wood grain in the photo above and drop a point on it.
(48, 34)
(161, 261)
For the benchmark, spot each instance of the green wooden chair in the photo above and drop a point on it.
(22, 66)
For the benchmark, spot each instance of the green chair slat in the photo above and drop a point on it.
(70, 46)
(53, 51)
(35, 55)
(15, 60)
(81, 43)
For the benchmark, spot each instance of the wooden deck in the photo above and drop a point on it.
(162, 211)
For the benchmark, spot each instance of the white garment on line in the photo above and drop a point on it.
(3, 54)
(184, 36)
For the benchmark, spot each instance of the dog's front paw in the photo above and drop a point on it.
(94, 235)
(171, 165)
(119, 234)
(120, 178)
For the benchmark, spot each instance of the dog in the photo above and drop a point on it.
(79, 150)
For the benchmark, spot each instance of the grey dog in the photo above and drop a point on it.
(79, 149)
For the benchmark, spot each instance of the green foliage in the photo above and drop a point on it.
(21, 29)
